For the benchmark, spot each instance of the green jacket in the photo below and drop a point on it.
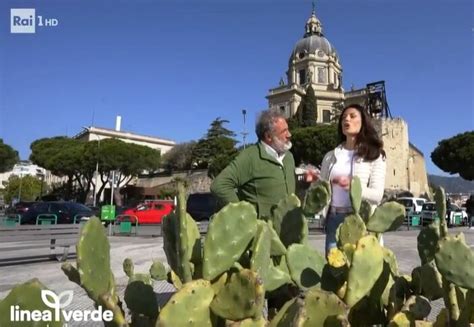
(256, 177)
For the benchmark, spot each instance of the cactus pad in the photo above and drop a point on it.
(283, 207)
(387, 217)
(419, 307)
(277, 247)
(27, 296)
(365, 210)
(317, 197)
(189, 306)
(261, 261)
(93, 259)
(141, 299)
(305, 264)
(241, 297)
(291, 313)
(427, 242)
(322, 308)
(228, 235)
(158, 271)
(355, 193)
(351, 230)
(455, 261)
(366, 267)
(128, 267)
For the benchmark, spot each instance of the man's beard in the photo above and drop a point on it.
(281, 146)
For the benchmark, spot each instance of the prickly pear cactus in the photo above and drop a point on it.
(355, 194)
(426, 281)
(181, 239)
(418, 306)
(387, 217)
(189, 306)
(277, 247)
(317, 197)
(27, 296)
(283, 208)
(158, 271)
(294, 228)
(455, 261)
(128, 267)
(249, 322)
(291, 314)
(365, 210)
(93, 271)
(241, 297)
(277, 277)
(141, 299)
(228, 235)
(322, 308)
(261, 261)
(351, 230)
(427, 244)
(366, 267)
(305, 264)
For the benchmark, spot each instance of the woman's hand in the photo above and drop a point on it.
(342, 181)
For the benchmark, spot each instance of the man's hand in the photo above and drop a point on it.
(311, 174)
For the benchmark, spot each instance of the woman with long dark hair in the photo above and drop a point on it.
(360, 153)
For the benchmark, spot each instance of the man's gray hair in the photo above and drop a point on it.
(266, 122)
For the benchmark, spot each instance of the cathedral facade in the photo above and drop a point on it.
(314, 61)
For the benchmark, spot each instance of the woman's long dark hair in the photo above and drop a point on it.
(368, 144)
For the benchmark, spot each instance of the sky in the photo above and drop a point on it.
(170, 67)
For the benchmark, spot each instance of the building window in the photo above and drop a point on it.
(326, 116)
(302, 74)
(394, 172)
(282, 109)
(322, 75)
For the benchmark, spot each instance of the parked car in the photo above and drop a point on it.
(428, 213)
(201, 206)
(411, 204)
(151, 212)
(64, 211)
(454, 214)
(20, 208)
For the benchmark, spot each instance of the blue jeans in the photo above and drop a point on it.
(333, 220)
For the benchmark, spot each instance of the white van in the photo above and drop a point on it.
(411, 204)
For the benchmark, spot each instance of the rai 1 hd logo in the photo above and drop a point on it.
(57, 315)
(25, 20)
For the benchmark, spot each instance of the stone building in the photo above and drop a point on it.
(315, 61)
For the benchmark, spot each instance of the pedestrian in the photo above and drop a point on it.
(263, 173)
(360, 153)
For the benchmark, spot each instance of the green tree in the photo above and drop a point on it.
(310, 144)
(307, 112)
(456, 155)
(127, 160)
(77, 160)
(26, 188)
(61, 155)
(180, 157)
(216, 149)
(8, 157)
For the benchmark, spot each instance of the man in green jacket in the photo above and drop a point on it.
(264, 173)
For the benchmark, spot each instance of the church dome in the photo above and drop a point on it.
(313, 41)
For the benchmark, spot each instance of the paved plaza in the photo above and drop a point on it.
(144, 249)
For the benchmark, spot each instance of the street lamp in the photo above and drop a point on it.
(96, 166)
(244, 132)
